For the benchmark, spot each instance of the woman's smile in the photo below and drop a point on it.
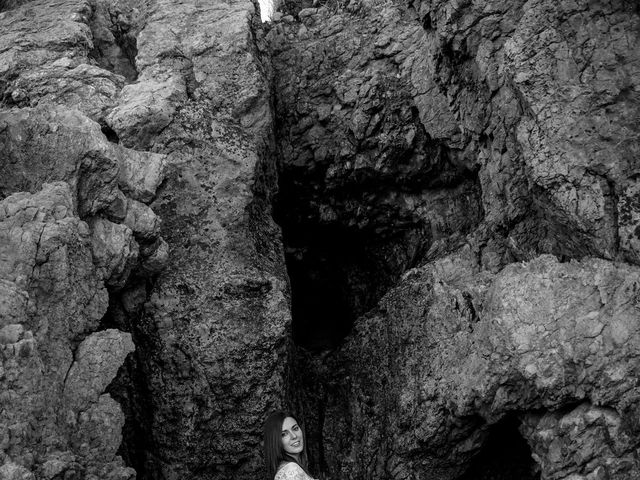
(292, 440)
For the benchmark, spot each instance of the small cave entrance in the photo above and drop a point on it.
(505, 455)
(339, 272)
(111, 135)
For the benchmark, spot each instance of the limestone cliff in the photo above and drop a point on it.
(413, 221)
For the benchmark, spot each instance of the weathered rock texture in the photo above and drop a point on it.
(74, 229)
(108, 100)
(452, 350)
(213, 333)
(409, 130)
(361, 177)
(56, 418)
(457, 186)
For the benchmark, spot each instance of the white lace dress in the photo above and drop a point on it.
(292, 471)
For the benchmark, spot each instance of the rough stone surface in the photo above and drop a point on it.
(114, 251)
(520, 114)
(532, 105)
(221, 307)
(54, 143)
(67, 192)
(360, 175)
(451, 351)
(586, 443)
(56, 297)
(423, 159)
(44, 58)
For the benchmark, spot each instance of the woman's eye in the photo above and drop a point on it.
(284, 434)
(296, 428)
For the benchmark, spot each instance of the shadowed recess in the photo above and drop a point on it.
(338, 273)
(505, 455)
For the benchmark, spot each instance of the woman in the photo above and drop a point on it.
(284, 449)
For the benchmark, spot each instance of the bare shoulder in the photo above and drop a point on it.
(291, 471)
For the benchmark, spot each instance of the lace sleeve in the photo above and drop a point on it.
(291, 471)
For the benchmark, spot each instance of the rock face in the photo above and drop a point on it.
(459, 261)
(214, 329)
(52, 297)
(361, 177)
(461, 137)
(462, 348)
(108, 100)
(74, 229)
(591, 440)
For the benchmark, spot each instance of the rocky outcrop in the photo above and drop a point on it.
(56, 418)
(109, 100)
(586, 443)
(452, 350)
(456, 186)
(74, 230)
(504, 127)
(361, 177)
(428, 95)
(44, 55)
(213, 333)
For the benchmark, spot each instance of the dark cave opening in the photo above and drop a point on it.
(347, 244)
(337, 273)
(504, 456)
(341, 264)
(130, 387)
(111, 135)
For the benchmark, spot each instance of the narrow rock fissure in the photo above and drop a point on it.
(114, 41)
(129, 390)
(129, 387)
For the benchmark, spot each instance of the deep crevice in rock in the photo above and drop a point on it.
(340, 268)
(111, 135)
(129, 387)
(504, 456)
(114, 42)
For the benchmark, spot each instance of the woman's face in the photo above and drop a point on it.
(292, 440)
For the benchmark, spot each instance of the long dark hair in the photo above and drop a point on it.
(274, 453)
